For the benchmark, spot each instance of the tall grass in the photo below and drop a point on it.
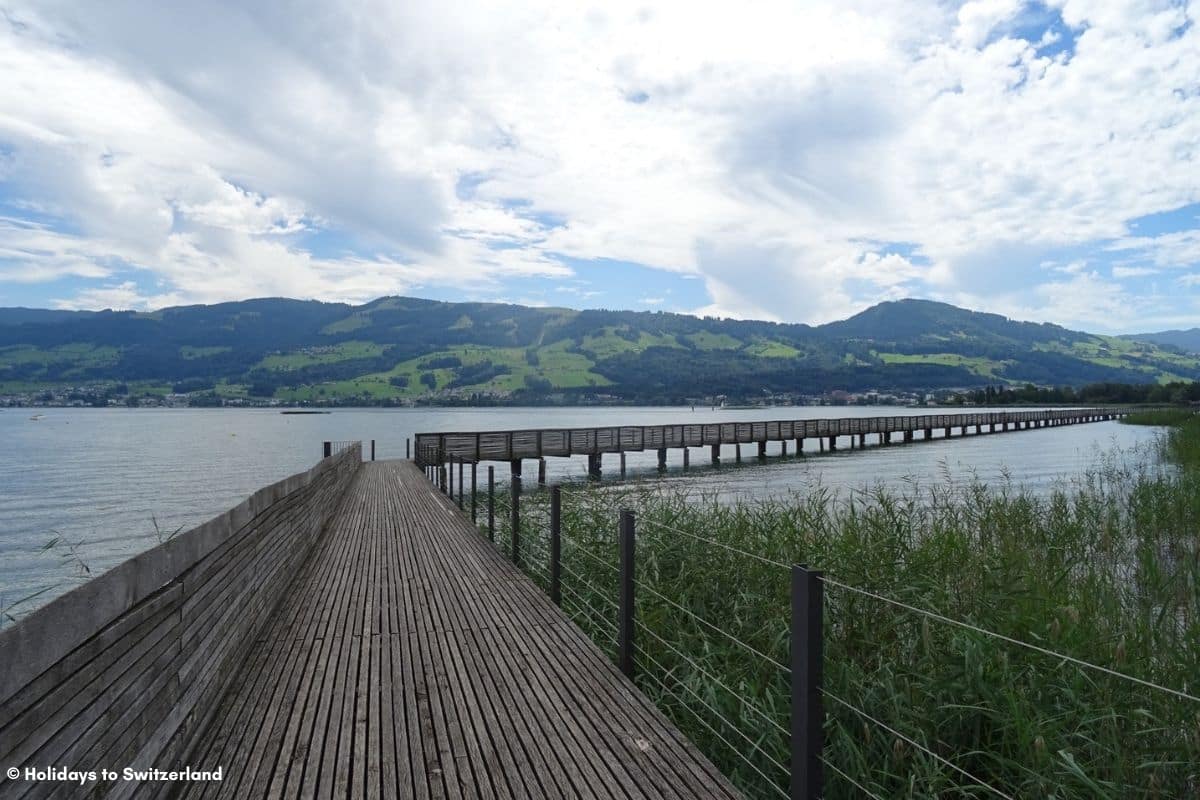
(1105, 569)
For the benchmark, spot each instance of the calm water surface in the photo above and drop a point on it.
(101, 479)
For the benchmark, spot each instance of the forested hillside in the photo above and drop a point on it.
(400, 349)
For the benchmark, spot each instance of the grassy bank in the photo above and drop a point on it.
(1160, 416)
(1106, 570)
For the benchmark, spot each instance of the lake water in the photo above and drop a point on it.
(100, 479)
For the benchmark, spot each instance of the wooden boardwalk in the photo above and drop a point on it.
(410, 659)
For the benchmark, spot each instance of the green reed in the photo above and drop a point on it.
(1105, 569)
(1159, 416)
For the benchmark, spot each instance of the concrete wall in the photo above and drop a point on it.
(125, 669)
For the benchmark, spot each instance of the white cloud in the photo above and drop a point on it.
(1133, 272)
(978, 18)
(210, 148)
(1167, 251)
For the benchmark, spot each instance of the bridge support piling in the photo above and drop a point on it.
(908, 436)
(737, 454)
(947, 433)
(783, 449)
(821, 443)
(542, 472)
(622, 464)
(928, 434)
(832, 443)
(662, 459)
(762, 451)
(716, 455)
(594, 466)
(862, 440)
(514, 467)
(686, 460)
(800, 446)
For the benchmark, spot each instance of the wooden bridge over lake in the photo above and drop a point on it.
(344, 633)
(437, 449)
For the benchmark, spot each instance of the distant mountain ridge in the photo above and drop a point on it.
(1185, 340)
(403, 349)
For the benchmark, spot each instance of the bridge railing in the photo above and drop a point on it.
(126, 669)
(701, 670)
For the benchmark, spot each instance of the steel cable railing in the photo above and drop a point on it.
(579, 595)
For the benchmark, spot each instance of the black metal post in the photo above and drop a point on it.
(491, 503)
(372, 449)
(556, 545)
(460, 484)
(808, 716)
(328, 450)
(625, 601)
(450, 485)
(514, 518)
(474, 493)
(407, 451)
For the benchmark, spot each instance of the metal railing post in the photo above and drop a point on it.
(514, 518)
(625, 637)
(372, 449)
(556, 545)
(474, 493)
(450, 491)
(808, 716)
(407, 451)
(328, 449)
(491, 504)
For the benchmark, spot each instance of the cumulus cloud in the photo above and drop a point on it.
(802, 160)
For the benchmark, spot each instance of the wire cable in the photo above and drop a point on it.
(714, 679)
(711, 730)
(753, 744)
(594, 616)
(941, 759)
(599, 594)
(856, 784)
(748, 647)
(578, 548)
(714, 542)
(1045, 651)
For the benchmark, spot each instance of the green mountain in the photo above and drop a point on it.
(1187, 341)
(401, 349)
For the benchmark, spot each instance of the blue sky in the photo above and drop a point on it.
(796, 162)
